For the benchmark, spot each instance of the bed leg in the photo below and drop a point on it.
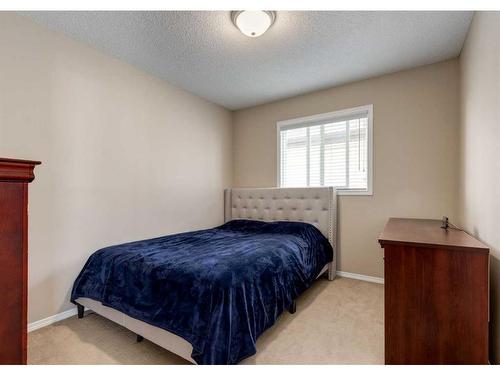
(293, 307)
(81, 310)
(332, 272)
(139, 338)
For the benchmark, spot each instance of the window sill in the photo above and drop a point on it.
(338, 191)
(354, 192)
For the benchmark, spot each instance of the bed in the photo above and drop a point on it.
(208, 295)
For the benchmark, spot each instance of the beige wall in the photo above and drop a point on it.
(416, 116)
(125, 156)
(116, 144)
(479, 203)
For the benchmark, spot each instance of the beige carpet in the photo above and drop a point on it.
(337, 322)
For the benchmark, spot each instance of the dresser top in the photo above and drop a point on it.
(428, 233)
(16, 170)
(19, 161)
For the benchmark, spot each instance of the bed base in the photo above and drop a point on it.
(167, 340)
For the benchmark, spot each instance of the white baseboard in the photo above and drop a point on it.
(370, 279)
(51, 319)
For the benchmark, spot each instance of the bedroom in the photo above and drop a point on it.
(161, 122)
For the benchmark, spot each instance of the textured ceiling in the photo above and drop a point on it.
(204, 53)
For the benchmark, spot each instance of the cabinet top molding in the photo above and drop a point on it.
(17, 170)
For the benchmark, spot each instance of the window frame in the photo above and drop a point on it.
(333, 116)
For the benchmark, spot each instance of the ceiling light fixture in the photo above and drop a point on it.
(253, 23)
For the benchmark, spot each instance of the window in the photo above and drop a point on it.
(331, 149)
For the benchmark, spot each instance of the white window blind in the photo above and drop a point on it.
(327, 150)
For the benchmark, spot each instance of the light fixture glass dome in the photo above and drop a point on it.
(253, 23)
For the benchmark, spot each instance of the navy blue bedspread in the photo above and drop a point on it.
(218, 288)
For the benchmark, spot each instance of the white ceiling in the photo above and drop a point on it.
(204, 53)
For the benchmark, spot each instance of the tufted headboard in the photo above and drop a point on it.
(315, 205)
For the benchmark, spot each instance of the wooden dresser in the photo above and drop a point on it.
(436, 294)
(14, 178)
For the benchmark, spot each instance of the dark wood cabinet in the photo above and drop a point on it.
(436, 294)
(14, 178)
